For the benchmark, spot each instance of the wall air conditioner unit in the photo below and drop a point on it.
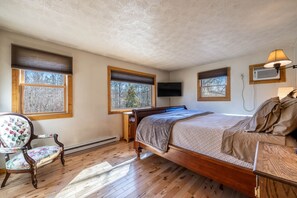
(265, 74)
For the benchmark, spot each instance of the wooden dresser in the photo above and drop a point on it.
(128, 126)
(276, 170)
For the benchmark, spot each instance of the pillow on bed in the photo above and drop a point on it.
(287, 122)
(266, 115)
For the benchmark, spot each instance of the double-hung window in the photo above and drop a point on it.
(129, 89)
(214, 85)
(41, 84)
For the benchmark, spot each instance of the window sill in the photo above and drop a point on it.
(49, 116)
(120, 111)
(214, 99)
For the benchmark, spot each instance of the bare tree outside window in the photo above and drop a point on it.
(214, 87)
(46, 78)
(43, 92)
(125, 95)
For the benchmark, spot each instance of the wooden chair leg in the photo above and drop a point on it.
(34, 179)
(62, 158)
(5, 179)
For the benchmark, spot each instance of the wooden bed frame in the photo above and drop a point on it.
(234, 176)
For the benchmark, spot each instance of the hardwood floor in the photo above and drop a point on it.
(113, 171)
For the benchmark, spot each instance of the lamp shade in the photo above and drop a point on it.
(284, 91)
(279, 57)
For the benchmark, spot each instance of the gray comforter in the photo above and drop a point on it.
(155, 130)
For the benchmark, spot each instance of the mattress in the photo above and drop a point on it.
(204, 135)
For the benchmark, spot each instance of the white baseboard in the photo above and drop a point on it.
(88, 145)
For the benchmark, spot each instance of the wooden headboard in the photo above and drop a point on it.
(141, 113)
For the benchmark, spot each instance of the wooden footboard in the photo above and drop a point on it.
(234, 176)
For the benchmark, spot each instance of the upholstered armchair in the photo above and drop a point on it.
(16, 135)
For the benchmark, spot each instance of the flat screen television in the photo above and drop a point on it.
(169, 89)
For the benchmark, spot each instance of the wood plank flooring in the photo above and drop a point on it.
(113, 171)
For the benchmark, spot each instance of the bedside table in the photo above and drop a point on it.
(128, 126)
(276, 171)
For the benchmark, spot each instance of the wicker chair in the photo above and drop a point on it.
(16, 134)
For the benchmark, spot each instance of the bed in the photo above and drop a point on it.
(202, 157)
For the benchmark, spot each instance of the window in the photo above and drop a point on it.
(129, 89)
(39, 89)
(214, 85)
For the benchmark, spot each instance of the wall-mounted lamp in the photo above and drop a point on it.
(278, 58)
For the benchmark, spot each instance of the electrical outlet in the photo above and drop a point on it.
(242, 75)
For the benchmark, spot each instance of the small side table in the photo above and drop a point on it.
(276, 171)
(128, 126)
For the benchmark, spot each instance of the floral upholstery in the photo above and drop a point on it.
(15, 131)
(42, 155)
(16, 134)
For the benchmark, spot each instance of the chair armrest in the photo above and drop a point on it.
(44, 136)
(54, 135)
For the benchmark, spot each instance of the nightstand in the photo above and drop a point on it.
(276, 171)
(128, 126)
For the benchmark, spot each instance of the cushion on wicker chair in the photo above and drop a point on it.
(42, 155)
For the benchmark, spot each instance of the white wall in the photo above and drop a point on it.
(90, 119)
(238, 66)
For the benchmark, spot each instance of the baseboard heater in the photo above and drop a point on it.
(90, 145)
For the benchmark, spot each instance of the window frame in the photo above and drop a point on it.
(251, 74)
(18, 85)
(112, 68)
(228, 88)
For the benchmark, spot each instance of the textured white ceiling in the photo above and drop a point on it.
(168, 35)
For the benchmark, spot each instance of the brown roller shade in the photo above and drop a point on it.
(32, 59)
(213, 73)
(127, 77)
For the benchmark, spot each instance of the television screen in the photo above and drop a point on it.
(169, 89)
